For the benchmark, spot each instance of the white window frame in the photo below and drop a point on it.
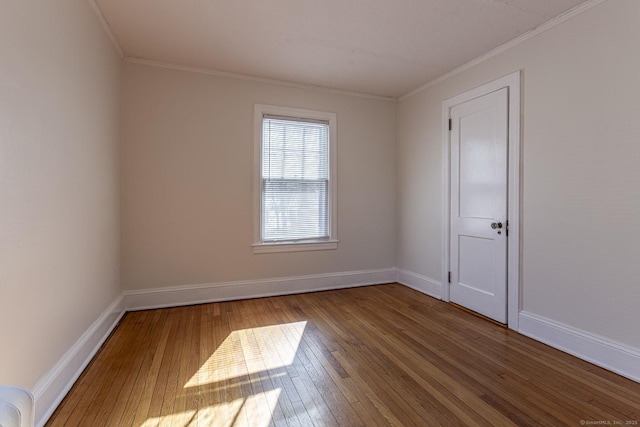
(260, 110)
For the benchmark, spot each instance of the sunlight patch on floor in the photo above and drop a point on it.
(257, 409)
(223, 415)
(241, 377)
(262, 349)
(179, 419)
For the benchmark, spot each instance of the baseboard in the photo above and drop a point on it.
(615, 357)
(52, 388)
(228, 291)
(420, 283)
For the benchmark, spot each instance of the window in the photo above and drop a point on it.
(295, 185)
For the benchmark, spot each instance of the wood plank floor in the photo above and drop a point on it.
(371, 356)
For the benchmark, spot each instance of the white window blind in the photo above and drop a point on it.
(295, 179)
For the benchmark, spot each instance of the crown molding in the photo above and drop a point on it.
(245, 77)
(107, 28)
(506, 46)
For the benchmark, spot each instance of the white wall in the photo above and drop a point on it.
(59, 181)
(188, 180)
(580, 174)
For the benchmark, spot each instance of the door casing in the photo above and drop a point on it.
(512, 82)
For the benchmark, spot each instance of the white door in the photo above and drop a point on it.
(478, 246)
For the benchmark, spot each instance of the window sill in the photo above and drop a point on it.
(264, 248)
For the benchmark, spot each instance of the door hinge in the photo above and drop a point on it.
(449, 277)
(506, 228)
(450, 124)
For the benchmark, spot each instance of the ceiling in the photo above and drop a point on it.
(378, 47)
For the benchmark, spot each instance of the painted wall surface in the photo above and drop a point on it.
(580, 175)
(59, 181)
(188, 180)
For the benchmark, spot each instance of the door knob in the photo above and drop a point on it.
(495, 225)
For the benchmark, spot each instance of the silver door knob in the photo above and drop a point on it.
(495, 225)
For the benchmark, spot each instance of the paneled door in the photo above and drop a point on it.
(479, 223)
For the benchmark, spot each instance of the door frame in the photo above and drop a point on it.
(512, 82)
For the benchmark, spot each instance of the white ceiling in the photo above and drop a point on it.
(380, 47)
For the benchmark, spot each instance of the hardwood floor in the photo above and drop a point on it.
(371, 356)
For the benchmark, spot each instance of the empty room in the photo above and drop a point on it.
(329, 213)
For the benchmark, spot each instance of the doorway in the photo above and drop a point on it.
(481, 237)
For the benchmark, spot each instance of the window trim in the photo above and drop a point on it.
(260, 110)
